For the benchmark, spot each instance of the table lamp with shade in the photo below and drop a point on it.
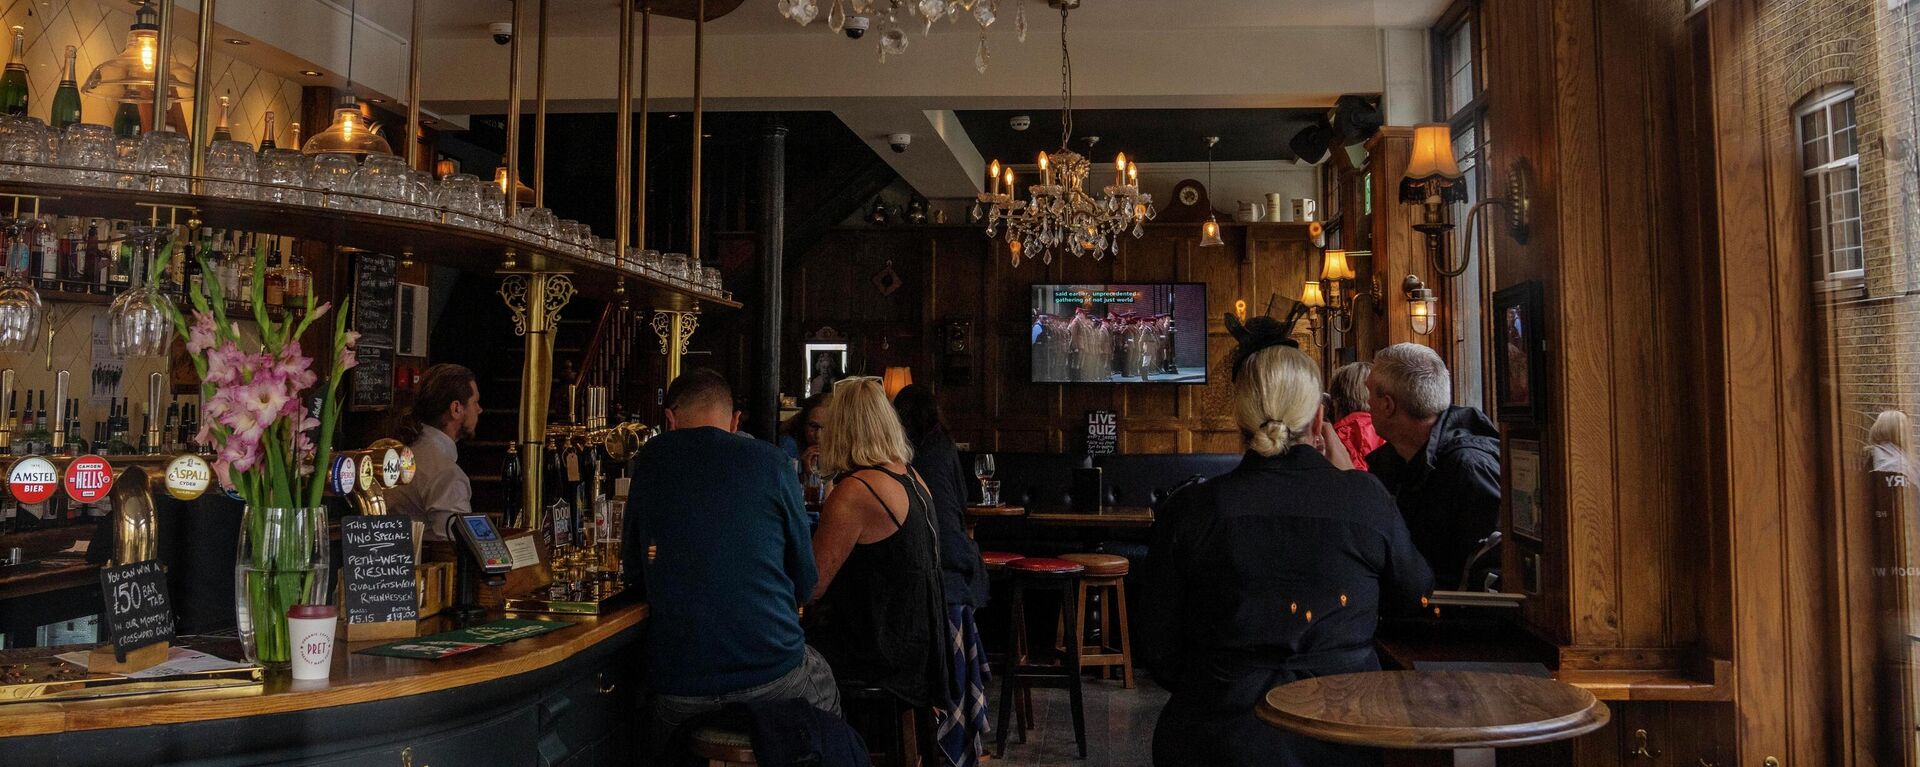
(896, 379)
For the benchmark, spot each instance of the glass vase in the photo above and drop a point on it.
(281, 562)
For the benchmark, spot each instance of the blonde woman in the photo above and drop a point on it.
(1887, 445)
(1274, 572)
(882, 615)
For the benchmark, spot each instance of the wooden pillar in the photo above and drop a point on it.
(772, 246)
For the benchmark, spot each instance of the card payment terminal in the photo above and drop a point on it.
(484, 557)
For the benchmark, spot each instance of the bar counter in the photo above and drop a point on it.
(570, 695)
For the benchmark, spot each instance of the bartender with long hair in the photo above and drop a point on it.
(445, 410)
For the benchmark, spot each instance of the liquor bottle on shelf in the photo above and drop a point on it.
(220, 130)
(91, 269)
(266, 136)
(243, 257)
(146, 430)
(77, 445)
(172, 427)
(66, 98)
(276, 287)
(120, 264)
(13, 82)
(73, 251)
(47, 249)
(299, 279)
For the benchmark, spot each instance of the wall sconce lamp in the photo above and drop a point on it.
(1339, 291)
(1422, 312)
(896, 379)
(1434, 179)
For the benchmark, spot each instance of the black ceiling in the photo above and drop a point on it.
(1150, 135)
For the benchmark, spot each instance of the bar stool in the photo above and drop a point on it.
(1106, 581)
(1041, 574)
(996, 561)
(722, 747)
(899, 724)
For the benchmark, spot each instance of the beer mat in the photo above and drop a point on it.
(451, 643)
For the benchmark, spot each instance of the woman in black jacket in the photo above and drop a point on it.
(1274, 572)
(964, 577)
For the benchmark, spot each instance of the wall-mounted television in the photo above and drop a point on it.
(1120, 333)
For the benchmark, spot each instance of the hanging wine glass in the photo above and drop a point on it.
(137, 322)
(21, 312)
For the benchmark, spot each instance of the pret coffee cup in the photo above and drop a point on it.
(310, 628)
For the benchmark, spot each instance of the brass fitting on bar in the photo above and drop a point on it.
(60, 412)
(156, 392)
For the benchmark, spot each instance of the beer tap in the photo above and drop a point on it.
(60, 412)
(6, 424)
(156, 391)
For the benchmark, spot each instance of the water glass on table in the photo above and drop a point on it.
(983, 471)
(990, 492)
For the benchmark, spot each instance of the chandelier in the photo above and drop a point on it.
(887, 13)
(1058, 212)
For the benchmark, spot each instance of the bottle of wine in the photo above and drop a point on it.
(266, 137)
(126, 120)
(66, 99)
(220, 130)
(13, 82)
(299, 280)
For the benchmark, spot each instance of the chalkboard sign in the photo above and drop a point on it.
(138, 612)
(376, 569)
(1103, 432)
(375, 296)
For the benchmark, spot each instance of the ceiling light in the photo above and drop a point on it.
(235, 41)
(128, 77)
(309, 73)
(349, 133)
(376, 100)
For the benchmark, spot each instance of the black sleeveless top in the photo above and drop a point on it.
(884, 617)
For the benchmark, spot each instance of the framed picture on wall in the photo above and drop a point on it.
(1520, 360)
(1523, 486)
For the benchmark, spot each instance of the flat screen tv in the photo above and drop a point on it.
(1120, 333)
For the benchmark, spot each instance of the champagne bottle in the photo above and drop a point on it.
(266, 138)
(126, 120)
(220, 130)
(66, 99)
(13, 82)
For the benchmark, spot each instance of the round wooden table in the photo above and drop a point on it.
(1470, 712)
(975, 513)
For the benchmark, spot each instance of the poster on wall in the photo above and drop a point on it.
(1103, 432)
(1523, 457)
(105, 370)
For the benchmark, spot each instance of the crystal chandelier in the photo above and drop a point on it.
(888, 14)
(1058, 212)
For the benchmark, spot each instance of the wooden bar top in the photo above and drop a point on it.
(356, 679)
(1108, 516)
(1433, 709)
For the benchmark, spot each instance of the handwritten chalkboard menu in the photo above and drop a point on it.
(376, 569)
(1103, 432)
(138, 612)
(375, 295)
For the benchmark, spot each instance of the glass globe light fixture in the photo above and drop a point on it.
(128, 76)
(350, 134)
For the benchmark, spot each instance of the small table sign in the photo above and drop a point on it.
(139, 617)
(377, 577)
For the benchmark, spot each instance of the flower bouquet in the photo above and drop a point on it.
(258, 422)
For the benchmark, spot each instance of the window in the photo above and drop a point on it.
(1830, 174)
(1458, 59)
(1461, 101)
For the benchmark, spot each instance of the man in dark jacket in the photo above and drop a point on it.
(1442, 463)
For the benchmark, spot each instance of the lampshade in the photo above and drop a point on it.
(445, 168)
(522, 193)
(896, 379)
(349, 134)
(1210, 234)
(128, 77)
(1432, 169)
(1335, 266)
(1310, 295)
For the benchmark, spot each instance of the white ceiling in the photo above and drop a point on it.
(594, 18)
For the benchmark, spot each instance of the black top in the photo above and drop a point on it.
(937, 460)
(883, 620)
(1275, 571)
(1450, 491)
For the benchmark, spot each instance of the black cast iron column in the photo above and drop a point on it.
(772, 246)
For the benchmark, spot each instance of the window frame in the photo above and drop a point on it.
(1823, 102)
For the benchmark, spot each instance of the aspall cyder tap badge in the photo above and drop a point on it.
(390, 468)
(188, 476)
(89, 478)
(33, 480)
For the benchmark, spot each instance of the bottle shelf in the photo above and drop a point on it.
(432, 242)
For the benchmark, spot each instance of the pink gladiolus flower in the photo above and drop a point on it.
(224, 474)
(201, 337)
(349, 355)
(319, 311)
(240, 454)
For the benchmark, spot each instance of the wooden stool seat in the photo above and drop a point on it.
(722, 747)
(1100, 564)
(997, 559)
(1045, 566)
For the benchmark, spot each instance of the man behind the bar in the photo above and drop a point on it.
(1441, 462)
(445, 410)
(720, 548)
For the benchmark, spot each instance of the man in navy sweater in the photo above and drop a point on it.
(716, 538)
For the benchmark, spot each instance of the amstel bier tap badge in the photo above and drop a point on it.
(33, 480)
(89, 479)
(188, 476)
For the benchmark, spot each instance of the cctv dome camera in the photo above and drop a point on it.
(502, 32)
(857, 27)
(1022, 122)
(900, 142)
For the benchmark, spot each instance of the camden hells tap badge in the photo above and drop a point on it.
(33, 480)
(89, 479)
(188, 476)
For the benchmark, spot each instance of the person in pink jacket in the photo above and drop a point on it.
(1347, 392)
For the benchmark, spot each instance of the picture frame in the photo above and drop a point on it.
(1520, 357)
(1523, 492)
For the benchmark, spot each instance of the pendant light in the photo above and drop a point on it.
(349, 134)
(128, 76)
(1210, 231)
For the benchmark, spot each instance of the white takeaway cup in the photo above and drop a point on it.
(310, 632)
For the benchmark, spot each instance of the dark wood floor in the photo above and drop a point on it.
(1119, 727)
